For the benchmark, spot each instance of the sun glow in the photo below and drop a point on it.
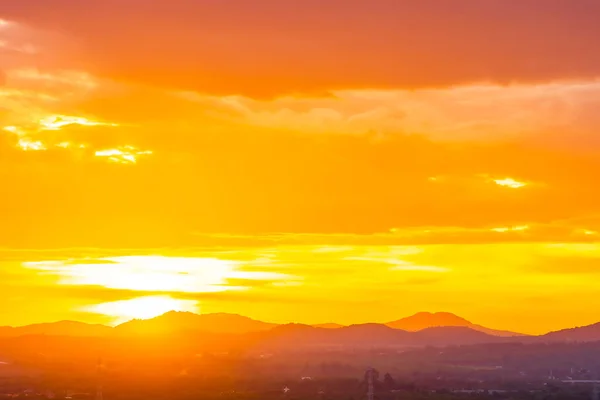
(124, 155)
(31, 145)
(510, 183)
(142, 307)
(11, 129)
(519, 228)
(154, 273)
(56, 122)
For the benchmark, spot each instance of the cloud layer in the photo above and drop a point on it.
(269, 47)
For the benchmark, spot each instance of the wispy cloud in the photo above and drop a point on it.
(509, 182)
(154, 273)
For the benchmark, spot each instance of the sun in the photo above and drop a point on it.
(142, 307)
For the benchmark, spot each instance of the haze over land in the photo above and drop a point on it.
(338, 161)
(235, 354)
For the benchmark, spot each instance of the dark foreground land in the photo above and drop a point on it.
(41, 367)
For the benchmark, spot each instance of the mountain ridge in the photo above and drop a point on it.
(210, 323)
(584, 333)
(421, 328)
(61, 328)
(424, 320)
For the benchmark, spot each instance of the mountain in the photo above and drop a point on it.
(184, 332)
(457, 335)
(424, 320)
(295, 336)
(189, 322)
(62, 328)
(420, 329)
(589, 333)
(372, 335)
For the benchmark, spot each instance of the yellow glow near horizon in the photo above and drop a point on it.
(255, 282)
(519, 228)
(142, 307)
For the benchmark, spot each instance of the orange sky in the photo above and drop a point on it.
(346, 161)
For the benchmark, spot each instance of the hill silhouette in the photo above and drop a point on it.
(296, 336)
(457, 335)
(422, 329)
(185, 321)
(61, 328)
(424, 320)
(589, 333)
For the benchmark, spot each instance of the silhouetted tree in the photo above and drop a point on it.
(389, 382)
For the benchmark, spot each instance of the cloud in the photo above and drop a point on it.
(212, 46)
(124, 155)
(511, 183)
(250, 155)
(244, 181)
(155, 273)
(518, 113)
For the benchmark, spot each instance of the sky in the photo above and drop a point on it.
(308, 161)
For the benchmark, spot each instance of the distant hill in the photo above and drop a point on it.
(189, 322)
(295, 336)
(589, 333)
(457, 335)
(424, 320)
(417, 330)
(62, 328)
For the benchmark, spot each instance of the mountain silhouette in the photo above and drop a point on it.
(62, 328)
(457, 335)
(296, 336)
(589, 333)
(417, 330)
(424, 320)
(185, 321)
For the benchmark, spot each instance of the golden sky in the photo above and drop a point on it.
(346, 161)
